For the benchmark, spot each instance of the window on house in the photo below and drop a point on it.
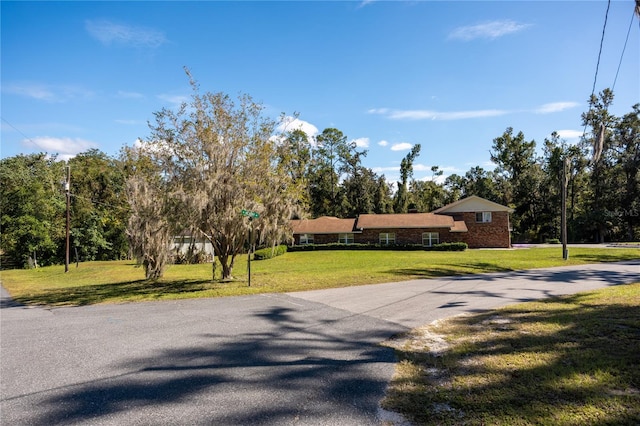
(183, 239)
(430, 238)
(306, 238)
(484, 217)
(345, 238)
(387, 238)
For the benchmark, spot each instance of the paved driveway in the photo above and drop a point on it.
(307, 358)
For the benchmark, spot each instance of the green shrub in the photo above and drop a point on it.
(269, 252)
(553, 241)
(330, 246)
(449, 247)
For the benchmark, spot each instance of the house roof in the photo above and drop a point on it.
(473, 203)
(459, 226)
(405, 220)
(323, 225)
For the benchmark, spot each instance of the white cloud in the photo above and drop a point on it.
(446, 172)
(426, 114)
(488, 30)
(48, 93)
(555, 107)
(289, 124)
(65, 147)
(108, 33)
(391, 173)
(128, 122)
(364, 3)
(437, 179)
(385, 169)
(361, 142)
(35, 91)
(445, 169)
(449, 169)
(412, 115)
(570, 134)
(175, 100)
(436, 115)
(402, 146)
(383, 143)
(421, 167)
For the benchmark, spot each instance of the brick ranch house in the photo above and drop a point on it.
(473, 220)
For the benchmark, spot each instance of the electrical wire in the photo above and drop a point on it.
(604, 27)
(71, 194)
(633, 15)
(595, 78)
(18, 130)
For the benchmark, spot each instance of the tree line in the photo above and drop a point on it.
(215, 156)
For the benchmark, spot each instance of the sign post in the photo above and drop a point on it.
(251, 215)
(67, 191)
(563, 210)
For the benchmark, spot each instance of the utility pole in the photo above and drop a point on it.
(563, 219)
(67, 190)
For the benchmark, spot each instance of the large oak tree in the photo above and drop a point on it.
(217, 158)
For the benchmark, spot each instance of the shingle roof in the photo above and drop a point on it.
(473, 203)
(459, 226)
(333, 225)
(405, 220)
(323, 225)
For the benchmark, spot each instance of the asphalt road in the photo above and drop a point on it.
(309, 358)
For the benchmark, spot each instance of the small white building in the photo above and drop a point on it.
(188, 244)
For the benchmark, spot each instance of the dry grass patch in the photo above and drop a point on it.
(572, 360)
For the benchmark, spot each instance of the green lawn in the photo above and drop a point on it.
(572, 360)
(564, 361)
(112, 282)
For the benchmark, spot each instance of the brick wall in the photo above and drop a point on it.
(403, 235)
(319, 238)
(494, 234)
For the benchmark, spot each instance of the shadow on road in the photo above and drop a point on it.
(7, 302)
(492, 272)
(293, 371)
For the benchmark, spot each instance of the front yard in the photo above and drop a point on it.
(122, 281)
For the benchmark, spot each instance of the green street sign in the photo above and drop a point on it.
(252, 215)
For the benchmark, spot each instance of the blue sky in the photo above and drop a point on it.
(449, 75)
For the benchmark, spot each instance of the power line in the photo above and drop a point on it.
(595, 78)
(604, 27)
(633, 14)
(597, 146)
(18, 130)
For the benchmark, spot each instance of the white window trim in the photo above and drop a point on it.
(306, 239)
(428, 239)
(486, 217)
(346, 238)
(389, 238)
